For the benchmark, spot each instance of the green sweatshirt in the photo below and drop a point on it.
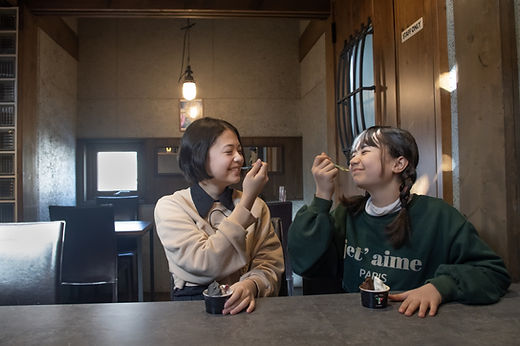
(444, 249)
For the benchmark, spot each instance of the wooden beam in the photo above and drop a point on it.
(312, 33)
(308, 9)
(60, 32)
(385, 65)
(330, 80)
(512, 135)
(27, 181)
(9, 3)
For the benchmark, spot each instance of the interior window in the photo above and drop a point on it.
(107, 167)
(117, 171)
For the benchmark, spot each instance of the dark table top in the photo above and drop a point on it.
(300, 320)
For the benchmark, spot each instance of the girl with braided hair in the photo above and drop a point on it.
(414, 243)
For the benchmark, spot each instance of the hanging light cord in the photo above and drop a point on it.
(185, 42)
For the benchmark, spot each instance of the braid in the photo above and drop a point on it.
(399, 230)
(408, 176)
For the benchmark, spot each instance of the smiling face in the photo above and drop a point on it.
(369, 170)
(224, 160)
(383, 162)
(372, 168)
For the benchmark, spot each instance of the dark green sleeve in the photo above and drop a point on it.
(311, 244)
(477, 274)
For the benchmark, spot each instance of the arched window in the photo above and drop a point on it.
(355, 88)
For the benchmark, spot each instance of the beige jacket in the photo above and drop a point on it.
(197, 253)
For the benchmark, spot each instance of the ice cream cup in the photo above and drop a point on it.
(374, 299)
(215, 304)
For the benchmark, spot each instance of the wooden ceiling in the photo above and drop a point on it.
(302, 9)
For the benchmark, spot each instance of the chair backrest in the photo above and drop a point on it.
(89, 245)
(125, 207)
(281, 213)
(30, 259)
(283, 210)
(278, 230)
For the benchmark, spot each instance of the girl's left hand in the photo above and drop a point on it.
(422, 298)
(243, 296)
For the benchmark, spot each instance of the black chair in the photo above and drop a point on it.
(30, 259)
(126, 208)
(281, 217)
(321, 285)
(89, 253)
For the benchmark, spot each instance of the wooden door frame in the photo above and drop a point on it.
(442, 102)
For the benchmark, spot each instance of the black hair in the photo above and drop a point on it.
(394, 142)
(195, 143)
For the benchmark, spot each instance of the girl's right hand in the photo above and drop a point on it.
(324, 173)
(254, 183)
(424, 298)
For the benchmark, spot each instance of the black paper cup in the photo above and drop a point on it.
(215, 304)
(374, 299)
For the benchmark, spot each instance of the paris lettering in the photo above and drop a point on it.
(385, 260)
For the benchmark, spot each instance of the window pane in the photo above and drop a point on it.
(368, 62)
(369, 108)
(352, 73)
(117, 170)
(368, 80)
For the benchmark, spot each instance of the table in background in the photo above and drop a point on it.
(337, 319)
(138, 229)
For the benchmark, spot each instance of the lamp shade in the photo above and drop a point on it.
(189, 90)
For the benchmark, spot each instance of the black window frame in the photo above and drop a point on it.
(87, 167)
(348, 125)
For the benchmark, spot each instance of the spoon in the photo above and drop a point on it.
(341, 168)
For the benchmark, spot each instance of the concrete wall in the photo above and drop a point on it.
(56, 119)
(481, 124)
(246, 70)
(313, 112)
(452, 61)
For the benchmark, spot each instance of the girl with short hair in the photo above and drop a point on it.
(211, 231)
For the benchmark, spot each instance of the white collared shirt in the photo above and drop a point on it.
(372, 210)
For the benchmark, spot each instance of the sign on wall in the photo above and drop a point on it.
(412, 30)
